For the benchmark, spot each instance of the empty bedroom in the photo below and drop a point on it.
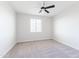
(39, 29)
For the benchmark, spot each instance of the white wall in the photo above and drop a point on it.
(7, 28)
(66, 26)
(23, 28)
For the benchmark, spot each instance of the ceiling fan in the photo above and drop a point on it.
(45, 8)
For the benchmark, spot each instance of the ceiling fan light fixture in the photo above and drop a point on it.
(45, 8)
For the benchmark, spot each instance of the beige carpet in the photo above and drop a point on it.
(42, 49)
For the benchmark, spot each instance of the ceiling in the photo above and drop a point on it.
(33, 7)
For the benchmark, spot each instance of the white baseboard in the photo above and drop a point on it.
(7, 50)
(32, 40)
(62, 42)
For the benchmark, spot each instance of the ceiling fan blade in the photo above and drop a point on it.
(46, 11)
(52, 6)
(40, 11)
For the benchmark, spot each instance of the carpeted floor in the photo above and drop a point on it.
(42, 49)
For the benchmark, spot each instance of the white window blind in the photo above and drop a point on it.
(36, 25)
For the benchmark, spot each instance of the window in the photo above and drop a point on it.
(36, 25)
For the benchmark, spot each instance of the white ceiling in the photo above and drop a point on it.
(33, 7)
